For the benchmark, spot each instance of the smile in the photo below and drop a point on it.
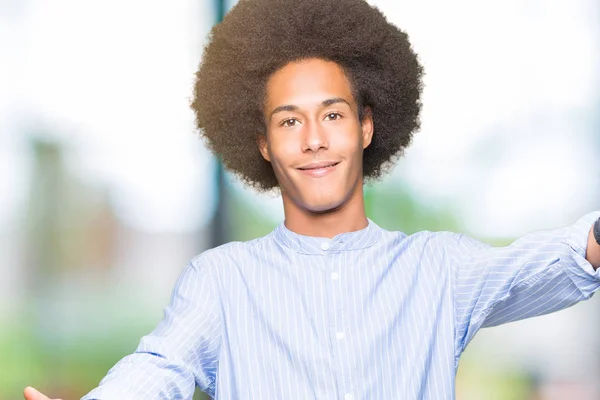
(318, 170)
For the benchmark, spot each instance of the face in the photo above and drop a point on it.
(315, 140)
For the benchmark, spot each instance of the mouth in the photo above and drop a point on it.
(318, 169)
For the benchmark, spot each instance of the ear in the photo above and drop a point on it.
(261, 141)
(367, 127)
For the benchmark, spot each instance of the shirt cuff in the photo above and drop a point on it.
(577, 240)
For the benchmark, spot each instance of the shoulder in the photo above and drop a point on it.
(424, 238)
(232, 253)
(425, 247)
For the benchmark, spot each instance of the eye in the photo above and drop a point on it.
(288, 123)
(332, 116)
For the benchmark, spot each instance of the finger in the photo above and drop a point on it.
(32, 394)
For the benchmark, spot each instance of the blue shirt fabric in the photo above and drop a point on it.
(372, 314)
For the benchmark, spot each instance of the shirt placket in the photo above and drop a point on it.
(338, 327)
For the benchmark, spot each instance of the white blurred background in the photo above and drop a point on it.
(107, 192)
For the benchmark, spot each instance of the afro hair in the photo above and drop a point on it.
(258, 37)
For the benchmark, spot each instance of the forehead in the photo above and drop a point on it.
(307, 82)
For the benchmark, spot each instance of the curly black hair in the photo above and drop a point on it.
(258, 37)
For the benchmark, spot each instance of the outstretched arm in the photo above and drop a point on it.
(537, 274)
(179, 354)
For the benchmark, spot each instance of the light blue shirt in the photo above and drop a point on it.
(371, 314)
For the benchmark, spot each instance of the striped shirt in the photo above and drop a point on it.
(371, 314)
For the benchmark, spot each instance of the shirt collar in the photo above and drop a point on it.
(356, 240)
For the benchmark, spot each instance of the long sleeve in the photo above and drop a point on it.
(180, 353)
(537, 274)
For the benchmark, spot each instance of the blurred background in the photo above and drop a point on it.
(106, 191)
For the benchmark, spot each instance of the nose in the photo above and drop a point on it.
(314, 138)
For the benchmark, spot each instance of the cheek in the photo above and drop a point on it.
(348, 145)
(282, 154)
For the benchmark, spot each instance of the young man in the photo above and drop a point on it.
(312, 97)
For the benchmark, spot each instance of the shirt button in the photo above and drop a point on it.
(325, 246)
(348, 396)
(340, 335)
(335, 275)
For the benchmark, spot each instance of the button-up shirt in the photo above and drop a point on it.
(371, 314)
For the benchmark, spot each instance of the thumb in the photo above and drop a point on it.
(32, 394)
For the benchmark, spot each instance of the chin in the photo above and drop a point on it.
(323, 206)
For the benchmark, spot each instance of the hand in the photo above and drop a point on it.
(32, 394)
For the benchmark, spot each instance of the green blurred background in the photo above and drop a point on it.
(106, 191)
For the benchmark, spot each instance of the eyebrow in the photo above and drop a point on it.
(324, 103)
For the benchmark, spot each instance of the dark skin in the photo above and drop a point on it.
(312, 117)
(315, 141)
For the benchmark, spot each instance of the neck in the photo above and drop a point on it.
(350, 216)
